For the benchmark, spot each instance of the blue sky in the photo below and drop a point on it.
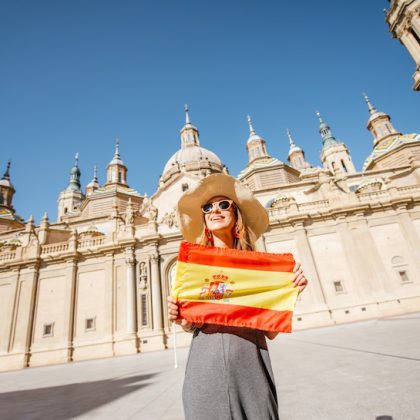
(76, 74)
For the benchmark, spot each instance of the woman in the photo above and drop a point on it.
(228, 374)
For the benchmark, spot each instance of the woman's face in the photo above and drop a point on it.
(220, 221)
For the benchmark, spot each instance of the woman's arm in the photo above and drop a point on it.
(298, 281)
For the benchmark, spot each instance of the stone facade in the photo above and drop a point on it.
(403, 19)
(94, 284)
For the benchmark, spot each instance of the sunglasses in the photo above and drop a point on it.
(221, 205)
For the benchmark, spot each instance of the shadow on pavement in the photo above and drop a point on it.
(67, 401)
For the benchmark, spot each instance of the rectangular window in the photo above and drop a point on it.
(90, 324)
(144, 320)
(338, 287)
(404, 276)
(48, 330)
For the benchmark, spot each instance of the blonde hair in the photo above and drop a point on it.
(246, 240)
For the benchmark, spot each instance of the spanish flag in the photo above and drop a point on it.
(235, 288)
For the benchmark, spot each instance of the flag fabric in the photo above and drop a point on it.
(235, 288)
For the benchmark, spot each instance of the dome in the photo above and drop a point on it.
(254, 137)
(375, 115)
(294, 149)
(390, 144)
(191, 154)
(5, 183)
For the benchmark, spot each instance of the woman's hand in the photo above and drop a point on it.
(173, 313)
(299, 280)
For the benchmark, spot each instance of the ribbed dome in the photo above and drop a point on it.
(191, 154)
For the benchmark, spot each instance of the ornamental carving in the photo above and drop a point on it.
(170, 219)
(143, 275)
(10, 245)
(130, 258)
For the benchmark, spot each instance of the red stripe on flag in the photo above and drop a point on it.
(236, 316)
(235, 258)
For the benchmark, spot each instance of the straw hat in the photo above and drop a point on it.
(189, 205)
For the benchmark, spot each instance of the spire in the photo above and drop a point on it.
(251, 128)
(6, 174)
(94, 184)
(319, 117)
(187, 115)
(291, 141)
(371, 108)
(327, 137)
(74, 183)
(293, 148)
(117, 158)
(117, 148)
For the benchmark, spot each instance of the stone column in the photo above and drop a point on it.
(69, 320)
(355, 259)
(308, 263)
(130, 261)
(34, 282)
(407, 38)
(415, 23)
(156, 292)
(371, 259)
(409, 232)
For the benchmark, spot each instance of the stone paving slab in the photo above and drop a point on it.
(363, 371)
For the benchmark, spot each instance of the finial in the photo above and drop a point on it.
(6, 174)
(319, 116)
(31, 219)
(76, 160)
(95, 172)
(44, 220)
(371, 108)
(251, 128)
(117, 147)
(291, 141)
(187, 115)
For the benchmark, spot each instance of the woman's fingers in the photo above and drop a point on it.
(299, 280)
(173, 311)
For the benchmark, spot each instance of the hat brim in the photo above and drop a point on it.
(191, 216)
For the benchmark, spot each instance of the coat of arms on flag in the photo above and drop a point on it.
(235, 288)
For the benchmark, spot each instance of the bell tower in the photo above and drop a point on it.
(296, 156)
(379, 124)
(116, 171)
(6, 190)
(72, 197)
(255, 145)
(334, 155)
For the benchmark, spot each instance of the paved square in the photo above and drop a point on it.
(363, 371)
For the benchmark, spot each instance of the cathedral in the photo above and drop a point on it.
(94, 282)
